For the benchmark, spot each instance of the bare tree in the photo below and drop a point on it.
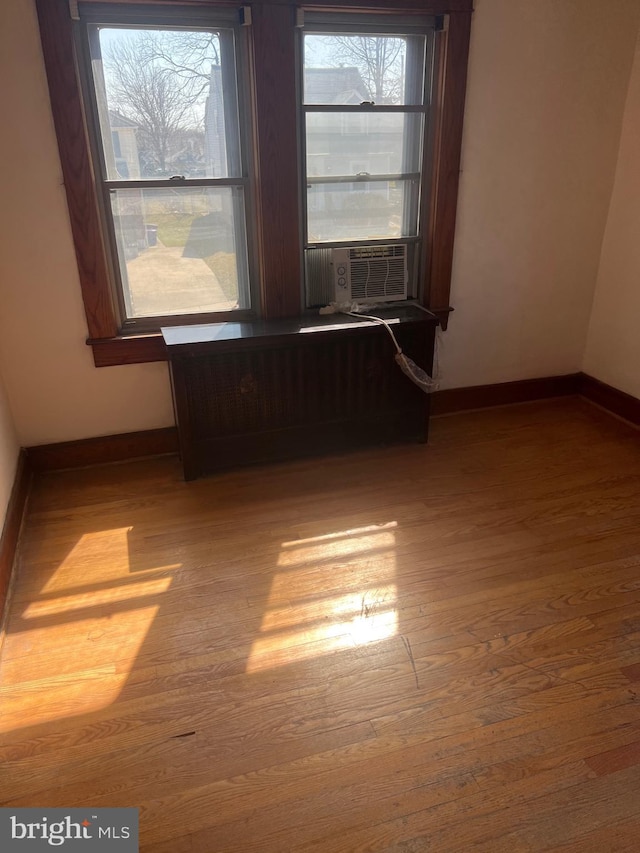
(379, 59)
(148, 84)
(188, 54)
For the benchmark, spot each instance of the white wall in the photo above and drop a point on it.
(9, 449)
(546, 91)
(613, 346)
(56, 393)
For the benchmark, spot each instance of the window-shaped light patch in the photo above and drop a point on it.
(331, 592)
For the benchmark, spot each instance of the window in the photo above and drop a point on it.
(365, 96)
(281, 141)
(172, 179)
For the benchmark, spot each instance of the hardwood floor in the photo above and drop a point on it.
(416, 649)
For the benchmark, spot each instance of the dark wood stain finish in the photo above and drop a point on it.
(617, 402)
(133, 349)
(504, 393)
(116, 448)
(452, 53)
(12, 524)
(418, 6)
(257, 392)
(276, 151)
(60, 62)
(98, 451)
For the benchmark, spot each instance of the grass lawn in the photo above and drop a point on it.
(173, 228)
(223, 264)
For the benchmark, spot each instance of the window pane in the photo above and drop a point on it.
(181, 251)
(165, 102)
(348, 69)
(365, 210)
(348, 143)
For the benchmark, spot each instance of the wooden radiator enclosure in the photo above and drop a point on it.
(264, 391)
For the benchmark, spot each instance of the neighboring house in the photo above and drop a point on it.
(128, 207)
(329, 148)
(349, 144)
(337, 143)
(334, 86)
(125, 145)
(214, 232)
(215, 146)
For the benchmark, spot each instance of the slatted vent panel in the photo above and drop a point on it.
(378, 271)
(257, 390)
(319, 277)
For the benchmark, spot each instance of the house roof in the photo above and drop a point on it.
(117, 120)
(321, 86)
(334, 86)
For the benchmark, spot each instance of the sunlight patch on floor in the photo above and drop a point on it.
(107, 555)
(332, 545)
(71, 653)
(95, 598)
(54, 691)
(302, 619)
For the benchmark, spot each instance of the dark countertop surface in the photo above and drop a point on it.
(178, 337)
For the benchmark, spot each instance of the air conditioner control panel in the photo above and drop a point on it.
(340, 261)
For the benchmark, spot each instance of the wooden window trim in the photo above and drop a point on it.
(450, 83)
(275, 150)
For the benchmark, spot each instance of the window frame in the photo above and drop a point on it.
(274, 177)
(171, 19)
(345, 23)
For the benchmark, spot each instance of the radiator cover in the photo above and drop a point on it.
(259, 392)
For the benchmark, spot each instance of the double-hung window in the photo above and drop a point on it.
(366, 87)
(218, 156)
(165, 110)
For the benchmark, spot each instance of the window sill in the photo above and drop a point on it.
(140, 349)
(127, 349)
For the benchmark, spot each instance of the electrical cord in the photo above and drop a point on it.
(416, 374)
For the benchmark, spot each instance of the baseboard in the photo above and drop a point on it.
(159, 442)
(504, 394)
(617, 402)
(98, 451)
(11, 529)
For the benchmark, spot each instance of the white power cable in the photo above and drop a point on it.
(417, 375)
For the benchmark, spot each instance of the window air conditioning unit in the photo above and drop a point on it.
(370, 273)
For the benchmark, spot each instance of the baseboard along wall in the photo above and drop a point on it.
(104, 449)
(11, 530)
(453, 400)
(158, 442)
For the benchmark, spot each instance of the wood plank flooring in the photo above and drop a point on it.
(428, 648)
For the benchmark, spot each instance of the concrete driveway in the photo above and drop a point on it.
(162, 281)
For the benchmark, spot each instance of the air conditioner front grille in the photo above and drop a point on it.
(371, 273)
(378, 278)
